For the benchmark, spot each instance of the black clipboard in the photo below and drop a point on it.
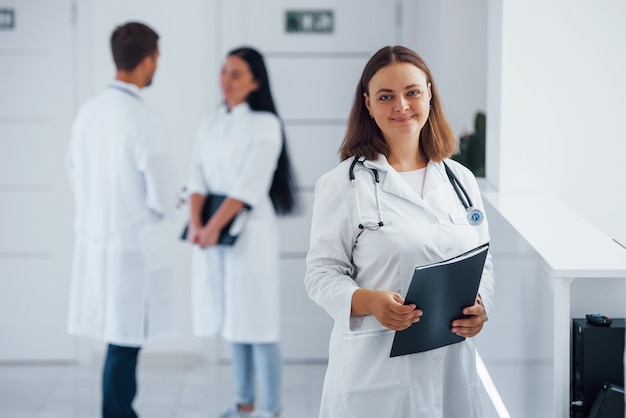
(231, 231)
(441, 290)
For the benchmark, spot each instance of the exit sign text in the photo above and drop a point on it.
(309, 21)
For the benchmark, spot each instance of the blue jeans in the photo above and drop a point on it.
(119, 382)
(264, 359)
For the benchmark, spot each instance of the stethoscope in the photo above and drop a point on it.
(125, 90)
(474, 215)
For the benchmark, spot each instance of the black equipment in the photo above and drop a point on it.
(609, 403)
(597, 358)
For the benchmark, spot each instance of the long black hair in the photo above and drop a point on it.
(283, 189)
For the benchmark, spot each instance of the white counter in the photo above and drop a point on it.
(571, 248)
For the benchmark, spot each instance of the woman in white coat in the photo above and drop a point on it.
(241, 153)
(365, 245)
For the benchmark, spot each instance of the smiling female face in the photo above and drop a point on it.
(398, 100)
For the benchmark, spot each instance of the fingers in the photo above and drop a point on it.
(206, 241)
(476, 309)
(397, 305)
(393, 314)
(467, 331)
(205, 237)
(399, 324)
(193, 234)
(471, 326)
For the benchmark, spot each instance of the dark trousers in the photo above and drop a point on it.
(119, 382)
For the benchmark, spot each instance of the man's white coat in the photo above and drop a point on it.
(122, 285)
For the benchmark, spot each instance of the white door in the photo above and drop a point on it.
(36, 105)
(314, 74)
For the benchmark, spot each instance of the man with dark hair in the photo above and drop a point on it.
(122, 283)
(131, 43)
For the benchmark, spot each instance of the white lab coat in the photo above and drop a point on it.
(122, 288)
(362, 380)
(236, 290)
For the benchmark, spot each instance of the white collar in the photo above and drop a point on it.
(129, 88)
(235, 110)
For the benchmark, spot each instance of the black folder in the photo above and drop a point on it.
(230, 232)
(442, 290)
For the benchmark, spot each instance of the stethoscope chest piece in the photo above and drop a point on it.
(475, 216)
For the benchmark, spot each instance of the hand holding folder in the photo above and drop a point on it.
(232, 229)
(441, 290)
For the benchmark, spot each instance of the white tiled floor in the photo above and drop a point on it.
(169, 387)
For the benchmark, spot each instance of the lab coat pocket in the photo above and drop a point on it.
(369, 380)
(387, 401)
(458, 218)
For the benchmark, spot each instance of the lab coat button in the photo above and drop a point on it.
(433, 220)
(438, 405)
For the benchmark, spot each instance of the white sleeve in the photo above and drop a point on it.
(153, 161)
(195, 181)
(254, 181)
(329, 275)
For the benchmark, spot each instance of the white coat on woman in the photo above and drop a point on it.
(236, 288)
(122, 282)
(362, 380)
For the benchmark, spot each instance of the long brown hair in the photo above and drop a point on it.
(363, 136)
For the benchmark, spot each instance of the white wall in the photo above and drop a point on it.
(36, 92)
(557, 104)
(194, 36)
(451, 36)
(555, 110)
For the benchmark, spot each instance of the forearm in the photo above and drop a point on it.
(227, 211)
(195, 206)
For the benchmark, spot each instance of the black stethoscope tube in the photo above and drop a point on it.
(474, 216)
(371, 226)
(462, 193)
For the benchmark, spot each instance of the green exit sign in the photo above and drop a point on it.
(7, 19)
(309, 21)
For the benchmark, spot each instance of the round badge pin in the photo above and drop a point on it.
(474, 216)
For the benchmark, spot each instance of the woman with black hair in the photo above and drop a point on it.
(241, 153)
